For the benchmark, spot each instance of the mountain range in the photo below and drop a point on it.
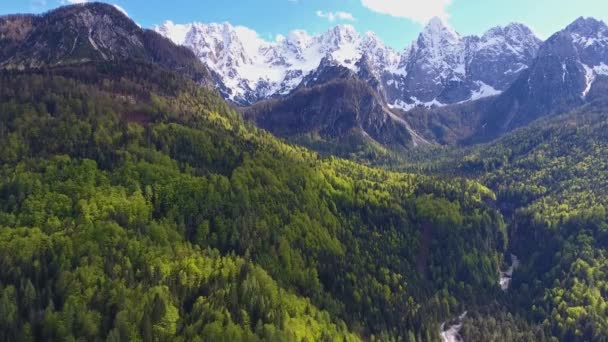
(138, 204)
(441, 67)
(443, 88)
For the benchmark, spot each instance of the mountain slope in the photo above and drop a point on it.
(116, 159)
(563, 76)
(138, 205)
(88, 33)
(336, 112)
(553, 177)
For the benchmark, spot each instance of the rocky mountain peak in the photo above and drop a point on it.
(300, 39)
(438, 29)
(586, 26)
(440, 67)
(90, 32)
(341, 34)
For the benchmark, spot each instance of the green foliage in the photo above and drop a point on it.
(135, 209)
(550, 180)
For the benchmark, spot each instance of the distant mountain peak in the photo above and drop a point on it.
(438, 26)
(340, 35)
(511, 29)
(586, 25)
(564, 74)
(253, 69)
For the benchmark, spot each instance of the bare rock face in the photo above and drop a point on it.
(80, 33)
(84, 33)
(502, 51)
(14, 29)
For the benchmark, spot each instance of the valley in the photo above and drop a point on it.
(196, 182)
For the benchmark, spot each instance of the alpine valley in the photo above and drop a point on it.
(193, 182)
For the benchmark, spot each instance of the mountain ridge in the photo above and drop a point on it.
(244, 77)
(90, 32)
(570, 64)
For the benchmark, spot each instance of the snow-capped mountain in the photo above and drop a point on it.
(440, 67)
(251, 69)
(571, 69)
(590, 39)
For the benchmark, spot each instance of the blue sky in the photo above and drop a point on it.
(397, 22)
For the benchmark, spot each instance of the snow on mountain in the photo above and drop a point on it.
(439, 50)
(253, 69)
(440, 67)
(590, 40)
(570, 69)
(504, 51)
(436, 58)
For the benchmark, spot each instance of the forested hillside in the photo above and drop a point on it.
(550, 180)
(138, 206)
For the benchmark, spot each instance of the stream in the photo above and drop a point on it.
(452, 332)
(506, 276)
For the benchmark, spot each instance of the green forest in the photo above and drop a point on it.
(138, 206)
(550, 181)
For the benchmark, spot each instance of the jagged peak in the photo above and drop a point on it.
(583, 23)
(298, 38)
(371, 40)
(440, 26)
(372, 36)
(280, 64)
(511, 28)
(215, 27)
(341, 34)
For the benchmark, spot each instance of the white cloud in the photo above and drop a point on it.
(333, 16)
(416, 10)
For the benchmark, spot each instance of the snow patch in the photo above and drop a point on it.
(589, 79)
(400, 104)
(601, 69)
(484, 90)
(520, 68)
